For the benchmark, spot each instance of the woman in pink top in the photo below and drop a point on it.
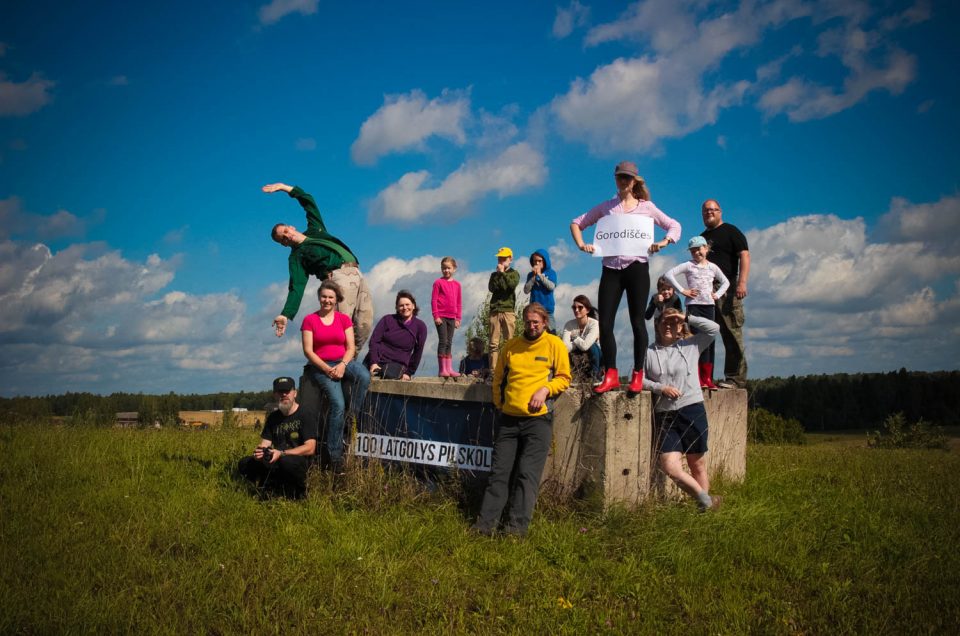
(329, 346)
(621, 274)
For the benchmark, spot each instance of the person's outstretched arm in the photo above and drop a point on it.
(314, 220)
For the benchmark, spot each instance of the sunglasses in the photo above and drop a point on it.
(578, 307)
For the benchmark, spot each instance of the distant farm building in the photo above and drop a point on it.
(129, 418)
(206, 419)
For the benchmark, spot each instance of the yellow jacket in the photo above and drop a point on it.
(523, 367)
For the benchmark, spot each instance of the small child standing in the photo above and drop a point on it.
(541, 282)
(447, 307)
(664, 298)
(503, 301)
(700, 275)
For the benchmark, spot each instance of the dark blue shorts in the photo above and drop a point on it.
(683, 430)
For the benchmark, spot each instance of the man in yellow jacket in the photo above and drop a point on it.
(531, 369)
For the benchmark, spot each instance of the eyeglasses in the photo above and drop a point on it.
(578, 307)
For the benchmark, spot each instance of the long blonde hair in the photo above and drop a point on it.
(640, 190)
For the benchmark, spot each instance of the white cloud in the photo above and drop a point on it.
(405, 122)
(568, 18)
(43, 293)
(669, 88)
(825, 296)
(175, 236)
(20, 99)
(305, 144)
(872, 62)
(86, 318)
(277, 9)
(518, 168)
(497, 129)
(822, 260)
(802, 100)
(562, 253)
(14, 220)
(936, 225)
(631, 104)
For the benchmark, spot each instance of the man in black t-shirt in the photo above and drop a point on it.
(729, 252)
(287, 442)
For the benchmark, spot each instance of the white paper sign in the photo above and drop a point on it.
(623, 235)
(424, 451)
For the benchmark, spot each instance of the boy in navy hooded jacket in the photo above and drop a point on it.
(541, 283)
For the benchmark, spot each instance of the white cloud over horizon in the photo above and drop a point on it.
(405, 122)
(826, 295)
(411, 199)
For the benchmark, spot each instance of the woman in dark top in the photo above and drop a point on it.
(397, 341)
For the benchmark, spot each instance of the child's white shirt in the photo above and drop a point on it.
(699, 277)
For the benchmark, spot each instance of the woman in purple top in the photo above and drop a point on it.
(621, 274)
(397, 341)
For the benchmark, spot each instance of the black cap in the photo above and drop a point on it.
(284, 384)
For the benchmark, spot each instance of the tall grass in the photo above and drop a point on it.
(147, 531)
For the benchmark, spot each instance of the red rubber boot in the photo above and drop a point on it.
(706, 376)
(636, 383)
(611, 380)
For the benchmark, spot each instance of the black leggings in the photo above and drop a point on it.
(635, 280)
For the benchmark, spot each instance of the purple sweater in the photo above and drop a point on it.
(393, 341)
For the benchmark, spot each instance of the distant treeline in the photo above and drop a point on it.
(102, 409)
(861, 400)
(819, 402)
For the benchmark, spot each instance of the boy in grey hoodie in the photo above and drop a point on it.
(670, 371)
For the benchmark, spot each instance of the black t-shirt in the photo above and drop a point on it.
(290, 431)
(726, 243)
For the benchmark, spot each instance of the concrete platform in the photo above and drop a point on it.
(603, 446)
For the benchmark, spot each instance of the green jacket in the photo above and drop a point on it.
(320, 253)
(502, 288)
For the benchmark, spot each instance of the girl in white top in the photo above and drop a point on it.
(701, 277)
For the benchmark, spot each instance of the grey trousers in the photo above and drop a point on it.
(519, 454)
(730, 316)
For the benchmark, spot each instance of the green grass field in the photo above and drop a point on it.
(145, 531)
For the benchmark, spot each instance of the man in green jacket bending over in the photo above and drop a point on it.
(320, 253)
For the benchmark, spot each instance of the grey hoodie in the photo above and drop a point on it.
(676, 366)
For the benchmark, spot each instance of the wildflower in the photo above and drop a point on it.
(583, 531)
(563, 603)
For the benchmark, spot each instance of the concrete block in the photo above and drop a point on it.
(603, 445)
(726, 443)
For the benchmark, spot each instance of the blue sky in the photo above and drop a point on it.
(134, 248)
